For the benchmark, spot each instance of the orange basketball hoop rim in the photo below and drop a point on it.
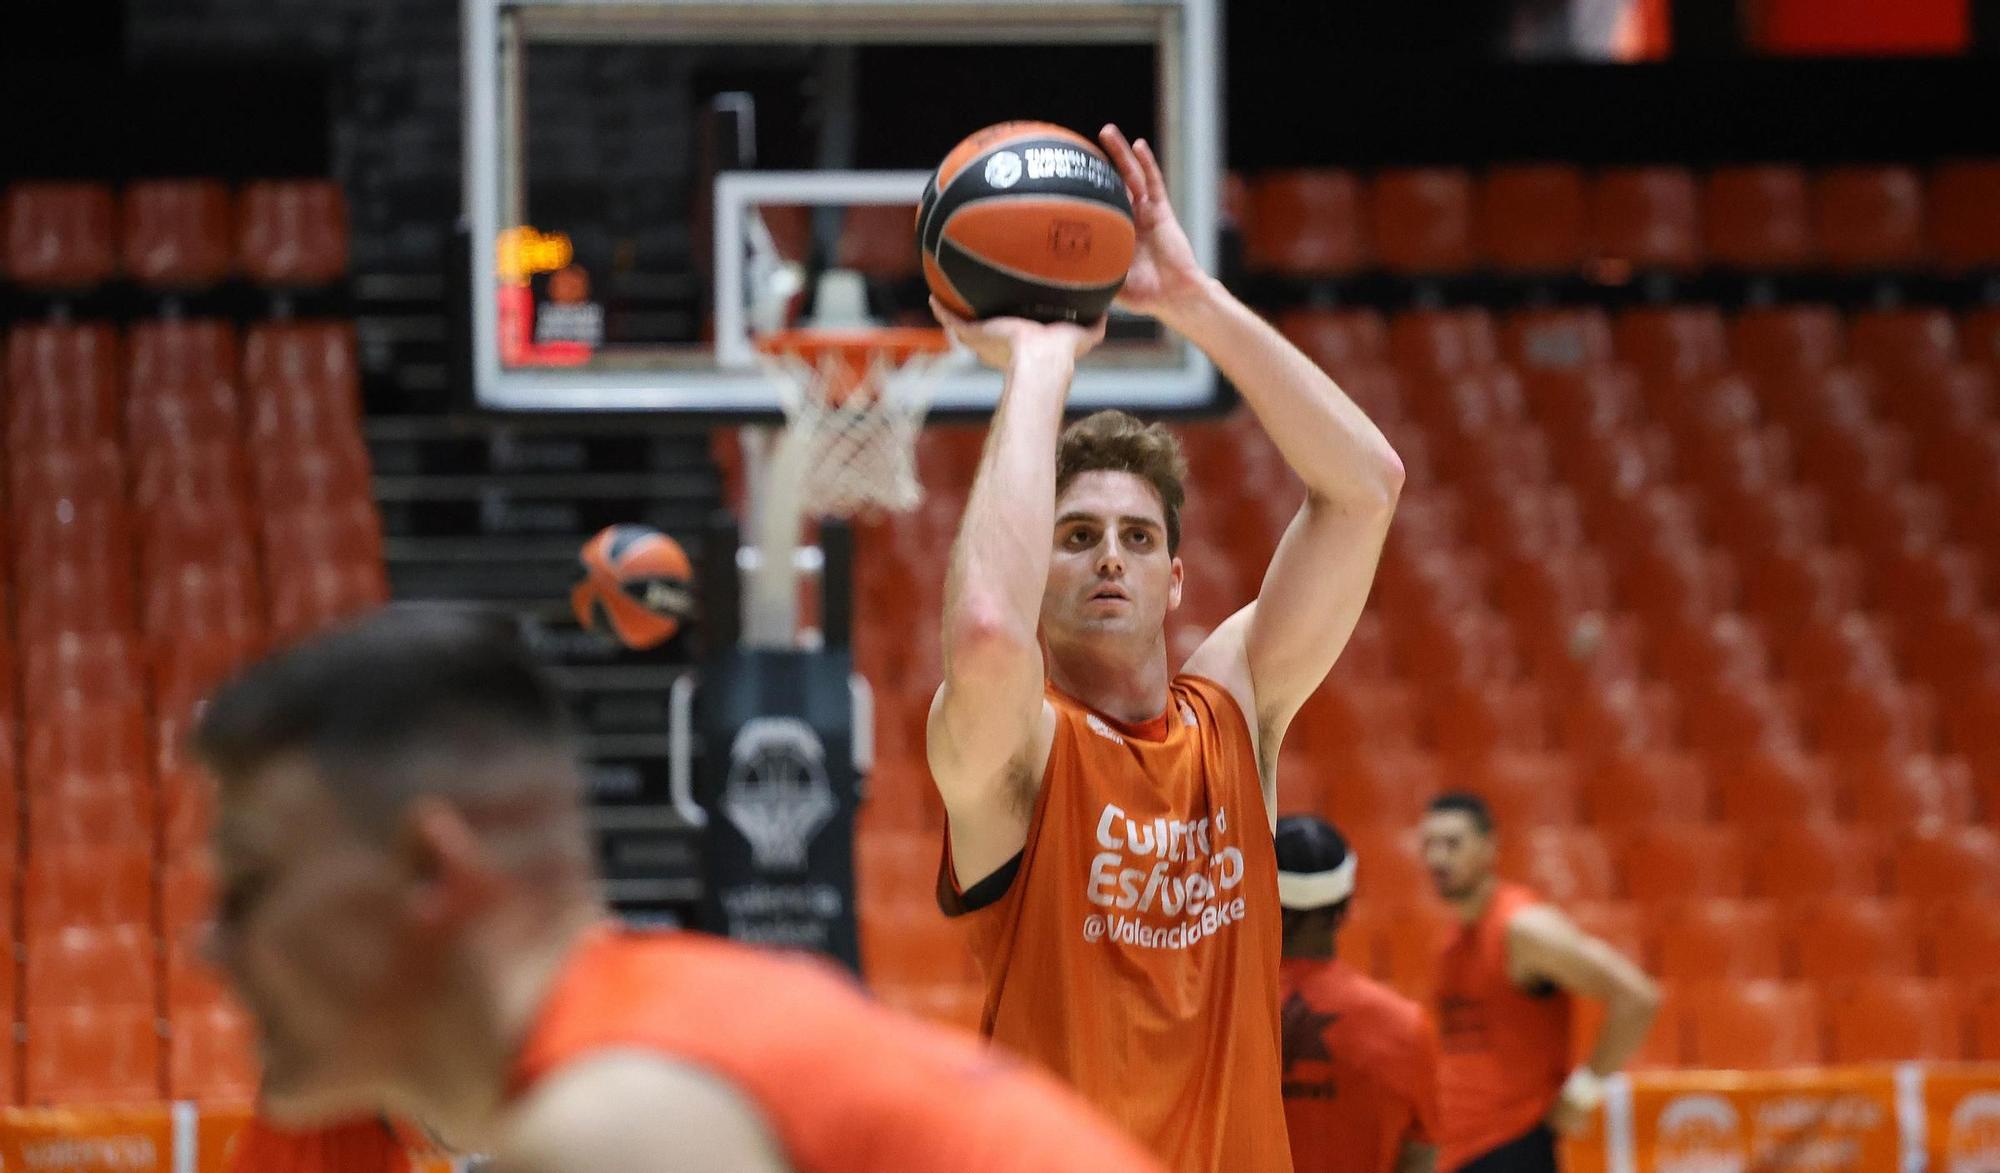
(849, 361)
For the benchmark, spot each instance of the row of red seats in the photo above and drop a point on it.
(173, 233)
(1556, 218)
(128, 1054)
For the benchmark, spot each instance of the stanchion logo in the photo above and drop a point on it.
(1699, 1134)
(777, 794)
(1973, 1144)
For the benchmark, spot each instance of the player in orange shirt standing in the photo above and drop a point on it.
(409, 909)
(1360, 1060)
(1505, 983)
(1110, 817)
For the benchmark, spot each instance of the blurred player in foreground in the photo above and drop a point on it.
(409, 909)
(1360, 1060)
(1504, 988)
(1110, 812)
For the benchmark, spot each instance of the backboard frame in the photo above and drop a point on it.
(1185, 33)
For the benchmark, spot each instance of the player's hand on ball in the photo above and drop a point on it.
(1001, 342)
(1164, 269)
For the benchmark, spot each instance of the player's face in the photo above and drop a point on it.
(1110, 574)
(311, 930)
(1458, 856)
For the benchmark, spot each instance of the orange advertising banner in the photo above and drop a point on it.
(1836, 1121)
(87, 1140)
(1962, 1119)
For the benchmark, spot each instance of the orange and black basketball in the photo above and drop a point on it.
(1029, 220)
(637, 583)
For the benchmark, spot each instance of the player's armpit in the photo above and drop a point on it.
(1543, 944)
(635, 1113)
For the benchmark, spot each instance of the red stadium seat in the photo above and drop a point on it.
(1672, 861)
(1948, 863)
(1585, 651)
(94, 810)
(178, 233)
(1896, 1020)
(105, 668)
(211, 1056)
(309, 600)
(1952, 649)
(1753, 519)
(1840, 938)
(1962, 198)
(1772, 787)
(46, 477)
(1979, 337)
(1618, 923)
(1339, 717)
(1386, 787)
(1809, 401)
(92, 1055)
(1730, 718)
(1306, 224)
(1599, 719)
(318, 355)
(88, 886)
(1423, 220)
(62, 382)
(60, 235)
(1757, 218)
(1899, 342)
(292, 232)
(1945, 580)
(1531, 218)
(1676, 584)
(1787, 589)
(1460, 646)
(1788, 340)
(182, 375)
(88, 966)
(190, 603)
(1874, 718)
(1557, 339)
(1716, 940)
(1434, 342)
(1986, 1024)
(1813, 858)
(187, 895)
(1702, 650)
(1646, 217)
(1752, 1025)
(1963, 938)
(1474, 718)
(1912, 791)
(1672, 345)
(1848, 648)
(1869, 217)
(1644, 788)
(1564, 864)
(1338, 340)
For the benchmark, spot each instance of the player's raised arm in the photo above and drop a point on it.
(1319, 578)
(989, 713)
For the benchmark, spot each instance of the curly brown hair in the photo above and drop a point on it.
(1113, 441)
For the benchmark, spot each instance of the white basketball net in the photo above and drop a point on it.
(850, 438)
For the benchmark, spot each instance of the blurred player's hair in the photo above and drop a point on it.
(1470, 805)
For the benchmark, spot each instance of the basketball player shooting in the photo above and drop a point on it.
(1111, 818)
(409, 909)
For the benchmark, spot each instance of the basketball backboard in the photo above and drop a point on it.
(795, 129)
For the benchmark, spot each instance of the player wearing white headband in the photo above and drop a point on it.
(1360, 1060)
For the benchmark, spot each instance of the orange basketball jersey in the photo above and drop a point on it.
(843, 1085)
(1360, 1070)
(1134, 951)
(360, 1146)
(1505, 1050)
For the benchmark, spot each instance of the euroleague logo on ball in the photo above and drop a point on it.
(1003, 169)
